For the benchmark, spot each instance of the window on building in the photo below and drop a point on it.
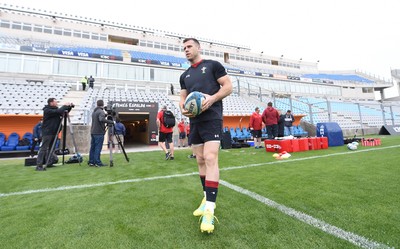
(27, 26)
(47, 30)
(38, 28)
(58, 31)
(16, 25)
(95, 36)
(5, 24)
(67, 32)
(103, 37)
(77, 33)
(85, 35)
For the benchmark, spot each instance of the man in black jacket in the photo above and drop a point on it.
(51, 121)
(97, 132)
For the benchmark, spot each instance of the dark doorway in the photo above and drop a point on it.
(137, 128)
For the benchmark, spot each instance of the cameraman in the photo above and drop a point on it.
(51, 121)
(97, 134)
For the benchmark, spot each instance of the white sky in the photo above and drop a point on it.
(341, 34)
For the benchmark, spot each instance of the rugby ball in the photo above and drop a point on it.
(194, 102)
(351, 146)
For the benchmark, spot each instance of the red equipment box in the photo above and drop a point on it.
(371, 142)
(303, 144)
(314, 143)
(324, 143)
(295, 145)
(278, 145)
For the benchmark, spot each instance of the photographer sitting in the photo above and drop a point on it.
(51, 121)
(97, 134)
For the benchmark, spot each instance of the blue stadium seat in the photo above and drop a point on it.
(233, 133)
(11, 142)
(264, 133)
(2, 139)
(246, 133)
(239, 133)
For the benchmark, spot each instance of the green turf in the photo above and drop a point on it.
(355, 191)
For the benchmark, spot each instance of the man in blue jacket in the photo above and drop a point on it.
(37, 136)
(120, 131)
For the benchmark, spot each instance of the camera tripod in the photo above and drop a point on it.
(63, 122)
(111, 134)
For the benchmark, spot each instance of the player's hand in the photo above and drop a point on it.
(251, 128)
(186, 113)
(208, 102)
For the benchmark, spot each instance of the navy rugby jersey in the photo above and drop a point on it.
(203, 78)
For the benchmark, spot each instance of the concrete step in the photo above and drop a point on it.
(74, 97)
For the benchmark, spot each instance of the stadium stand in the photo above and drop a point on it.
(338, 77)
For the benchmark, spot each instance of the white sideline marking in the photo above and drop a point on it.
(94, 185)
(179, 175)
(333, 230)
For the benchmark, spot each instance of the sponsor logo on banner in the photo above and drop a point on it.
(9, 46)
(83, 54)
(38, 49)
(66, 52)
(273, 146)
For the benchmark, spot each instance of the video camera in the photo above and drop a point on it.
(70, 106)
(110, 109)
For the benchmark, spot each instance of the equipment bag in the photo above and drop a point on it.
(77, 158)
(24, 142)
(168, 119)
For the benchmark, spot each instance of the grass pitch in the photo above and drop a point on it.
(148, 202)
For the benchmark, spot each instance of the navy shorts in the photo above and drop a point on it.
(205, 131)
(182, 135)
(257, 133)
(162, 137)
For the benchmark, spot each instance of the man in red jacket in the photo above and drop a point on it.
(182, 133)
(255, 127)
(270, 118)
(165, 135)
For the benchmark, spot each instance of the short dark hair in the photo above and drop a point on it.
(269, 103)
(50, 100)
(100, 102)
(191, 39)
(288, 111)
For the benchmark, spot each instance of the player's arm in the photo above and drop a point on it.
(183, 96)
(225, 90)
